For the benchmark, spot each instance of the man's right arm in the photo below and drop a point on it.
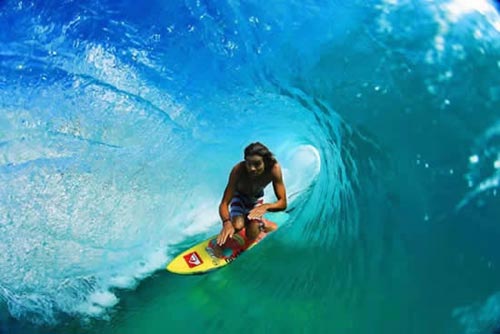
(228, 195)
(227, 226)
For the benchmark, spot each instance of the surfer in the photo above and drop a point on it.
(242, 204)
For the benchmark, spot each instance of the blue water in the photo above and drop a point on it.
(120, 121)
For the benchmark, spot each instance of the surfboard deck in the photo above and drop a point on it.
(202, 257)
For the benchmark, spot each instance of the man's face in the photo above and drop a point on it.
(254, 165)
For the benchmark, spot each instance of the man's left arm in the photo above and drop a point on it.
(279, 191)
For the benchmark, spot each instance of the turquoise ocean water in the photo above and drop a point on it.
(120, 121)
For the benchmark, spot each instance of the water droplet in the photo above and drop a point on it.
(452, 171)
(253, 19)
(496, 164)
(474, 159)
(426, 217)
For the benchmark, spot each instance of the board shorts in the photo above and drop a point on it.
(241, 205)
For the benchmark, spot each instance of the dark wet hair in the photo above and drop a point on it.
(261, 150)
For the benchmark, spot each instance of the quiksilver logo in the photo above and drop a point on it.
(193, 259)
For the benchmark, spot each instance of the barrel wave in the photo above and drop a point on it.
(120, 122)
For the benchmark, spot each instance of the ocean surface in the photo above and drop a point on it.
(120, 122)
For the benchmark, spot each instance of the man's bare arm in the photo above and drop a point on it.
(228, 194)
(227, 226)
(279, 191)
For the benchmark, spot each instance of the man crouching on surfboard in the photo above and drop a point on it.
(243, 204)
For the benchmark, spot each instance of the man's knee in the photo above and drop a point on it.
(238, 222)
(253, 229)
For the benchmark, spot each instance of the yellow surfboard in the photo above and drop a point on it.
(202, 257)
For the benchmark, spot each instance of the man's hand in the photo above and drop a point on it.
(257, 212)
(226, 232)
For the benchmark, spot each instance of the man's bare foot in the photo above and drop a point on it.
(269, 226)
(218, 251)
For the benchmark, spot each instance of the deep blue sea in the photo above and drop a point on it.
(120, 122)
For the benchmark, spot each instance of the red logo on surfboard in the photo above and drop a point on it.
(193, 259)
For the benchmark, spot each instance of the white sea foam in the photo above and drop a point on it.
(202, 214)
(456, 9)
